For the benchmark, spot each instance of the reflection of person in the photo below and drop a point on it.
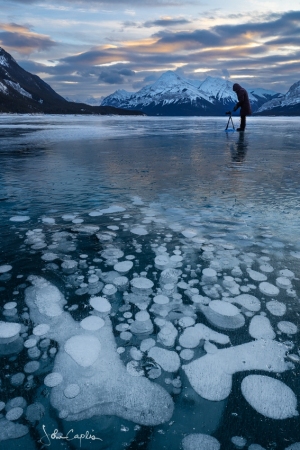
(243, 103)
(238, 153)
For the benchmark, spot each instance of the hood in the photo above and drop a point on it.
(236, 87)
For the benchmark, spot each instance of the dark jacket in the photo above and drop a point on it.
(243, 100)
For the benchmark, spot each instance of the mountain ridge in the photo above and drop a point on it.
(174, 95)
(288, 104)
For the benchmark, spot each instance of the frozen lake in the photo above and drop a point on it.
(149, 283)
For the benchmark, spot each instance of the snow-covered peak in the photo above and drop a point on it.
(292, 97)
(294, 91)
(218, 88)
(168, 79)
(265, 93)
(5, 58)
(170, 84)
(122, 94)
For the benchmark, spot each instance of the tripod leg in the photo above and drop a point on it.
(228, 123)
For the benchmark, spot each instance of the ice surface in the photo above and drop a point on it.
(161, 299)
(228, 236)
(211, 375)
(100, 304)
(11, 430)
(167, 359)
(192, 336)
(287, 327)
(14, 413)
(256, 447)
(123, 267)
(268, 289)
(269, 396)
(239, 441)
(9, 331)
(222, 321)
(83, 349)
(41, 329)
(223, 308)
(248, 301)
(92, 323)
(256, 276)
(167, 334)
(141, 285)
(72, 390)
(53, 379)
(47, 298)
(5, 268)
(140, 231)
(106, 388)
(200, 442)
(283, 282)
(35, 412)
(113, 209)
(276, 308)
(261, 328)
(19, 218)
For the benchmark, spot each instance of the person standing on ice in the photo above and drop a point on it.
(243, 103)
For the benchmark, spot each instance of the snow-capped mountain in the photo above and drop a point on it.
(169, 95)
(288, 104)
(23, 92)
(172, 94)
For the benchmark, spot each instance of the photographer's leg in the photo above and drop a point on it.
(243, 122)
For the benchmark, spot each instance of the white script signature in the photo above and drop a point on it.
(69, 436)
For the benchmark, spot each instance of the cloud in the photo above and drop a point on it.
(22, 39)
(265, 47)
(166, 22)
(124, 3)
(115, 75)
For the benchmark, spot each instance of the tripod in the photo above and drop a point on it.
(229, 119)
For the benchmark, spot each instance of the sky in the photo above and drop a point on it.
(86, 50)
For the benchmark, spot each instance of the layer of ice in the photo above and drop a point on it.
(9, 331)
(106, 388)
(192, 336)
(256, 276)
(84, 349)
(19, 218)
(5, 268)
(200, 442)
(140, 231)
(287, 327)
(268, 289)
(261, 328)
(92, 323)
(211, 375)
(276, 308)
(167, 359)
(123, 267)
(223, 308)
(221, 321)
(53, 379)
(247, 301)
(269, 396)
